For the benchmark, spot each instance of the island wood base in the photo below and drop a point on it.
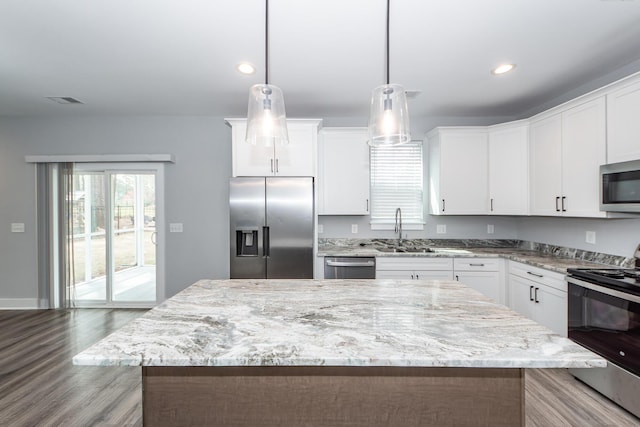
(332, 396)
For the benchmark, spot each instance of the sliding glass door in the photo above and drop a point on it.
(114, 243)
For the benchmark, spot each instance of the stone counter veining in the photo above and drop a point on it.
(335, 323)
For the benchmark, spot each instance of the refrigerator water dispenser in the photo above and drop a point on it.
(247, 242)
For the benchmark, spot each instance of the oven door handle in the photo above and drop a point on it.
(604, 290)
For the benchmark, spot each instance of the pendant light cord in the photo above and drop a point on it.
(388, 7)
(266, 43)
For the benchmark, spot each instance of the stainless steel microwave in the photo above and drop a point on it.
(620, 187)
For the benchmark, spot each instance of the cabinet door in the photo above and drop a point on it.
(249, 160)
(343, 159)
(464, 172)
(551, 309)
(298, 158)
(545, 165)
(521, 295)
(485, 282)
(509, 170)
(583, 151)
(623, 126)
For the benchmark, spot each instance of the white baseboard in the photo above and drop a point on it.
(18, 303)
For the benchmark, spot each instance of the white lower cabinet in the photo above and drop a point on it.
(540, 295)
(482, 274)
(414, 268)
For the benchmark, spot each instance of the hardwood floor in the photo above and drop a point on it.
(40, 387)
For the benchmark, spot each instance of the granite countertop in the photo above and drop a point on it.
(335, 323)
(558, 262)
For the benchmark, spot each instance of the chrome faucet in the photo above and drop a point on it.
(398, 228)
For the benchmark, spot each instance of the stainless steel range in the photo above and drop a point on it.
(604, 316)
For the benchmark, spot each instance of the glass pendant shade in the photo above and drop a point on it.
(389, 116)
(266, 118)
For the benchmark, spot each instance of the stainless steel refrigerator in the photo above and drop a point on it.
(271, 227)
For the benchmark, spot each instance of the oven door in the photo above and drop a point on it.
(605, 321)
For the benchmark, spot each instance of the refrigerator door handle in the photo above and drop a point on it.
(265, 242)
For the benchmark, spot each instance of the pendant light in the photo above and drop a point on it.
(389, 116)
(266, 118)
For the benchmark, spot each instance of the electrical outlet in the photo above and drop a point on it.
(320, 228)
(17, 227)
(489, 228)
(175, 227)
(441, 229)
(354, 228)
(590, 237)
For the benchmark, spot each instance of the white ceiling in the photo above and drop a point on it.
(178, 57)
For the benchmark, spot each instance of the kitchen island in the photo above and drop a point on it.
(332, 352)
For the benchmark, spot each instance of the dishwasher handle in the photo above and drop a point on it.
(350, 263)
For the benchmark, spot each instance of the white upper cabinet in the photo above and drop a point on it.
(458, 169)
(298, 158)
(545, 164)
(343, 176)
(584, 149)
(566, 151)
(509, 169)
(623, 124)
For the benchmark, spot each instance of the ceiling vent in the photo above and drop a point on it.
(66, 100)
(412, 94)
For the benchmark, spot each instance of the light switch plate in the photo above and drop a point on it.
(17, 227)
(441, 229)
(354, 228)
(489, 228)
(590, 237)
(175, 227)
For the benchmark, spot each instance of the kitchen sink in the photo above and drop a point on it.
(406, 250)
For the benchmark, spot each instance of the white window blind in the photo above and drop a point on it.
(396, 182)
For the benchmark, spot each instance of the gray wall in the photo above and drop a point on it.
(613, 236)
(196, 188)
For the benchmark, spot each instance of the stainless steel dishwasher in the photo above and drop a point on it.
(349, 267)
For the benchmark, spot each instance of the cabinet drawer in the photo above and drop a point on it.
(413, 263)
(476, 264)
(539, 275)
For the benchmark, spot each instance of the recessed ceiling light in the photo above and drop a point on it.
(66, 100)
(503, 68)
(245, 68)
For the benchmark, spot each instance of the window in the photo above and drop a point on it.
(397, 182)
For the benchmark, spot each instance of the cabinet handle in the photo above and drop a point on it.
(530, 293)
(563, 208)
(442, 205)
(457, 278)
(412, 277)
(536, 295)
(271, 165)
(534, 274)
(491, 205)
(277, 167)
(557, 200)
(476, 265)
(367, 206)
(417, 277)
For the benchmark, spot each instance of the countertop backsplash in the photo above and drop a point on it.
(542, 248)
